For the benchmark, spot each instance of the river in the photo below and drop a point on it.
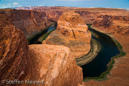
(99, 65)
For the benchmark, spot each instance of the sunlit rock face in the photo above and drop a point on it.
(72, 26)
(54, 65)
(71, 32)
(13, 52)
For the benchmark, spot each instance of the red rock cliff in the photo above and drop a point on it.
(30, 22)
(13, 51)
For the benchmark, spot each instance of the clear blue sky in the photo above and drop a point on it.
(69, 3)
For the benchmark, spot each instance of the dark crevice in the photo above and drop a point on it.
(74, 34)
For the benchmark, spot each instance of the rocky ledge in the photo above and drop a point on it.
(71, 32)
(55, 65)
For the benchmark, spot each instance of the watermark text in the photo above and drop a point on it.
(16, 81)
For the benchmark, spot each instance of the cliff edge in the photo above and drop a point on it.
(55, 65)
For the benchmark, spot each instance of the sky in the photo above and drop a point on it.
(69, 3)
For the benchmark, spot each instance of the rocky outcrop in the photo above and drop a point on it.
(113, 24)
(55, 65)
(87, 15)
(105, 22)
(13, 52)
(113, 17)
(30, 22)
(54, 15)
(71, 32)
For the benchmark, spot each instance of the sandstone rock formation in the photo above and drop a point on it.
(30, 22)
(71, 32)
(52, 13)
(105, 22)
(13, 52)
(88, 14)
(55, 65)
(113, 24)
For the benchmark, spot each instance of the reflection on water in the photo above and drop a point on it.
(51, 28)
(35, 40)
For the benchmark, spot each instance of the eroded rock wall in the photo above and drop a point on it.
(13, 52)
(29, 21)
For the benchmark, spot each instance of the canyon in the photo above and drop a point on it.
(30, 22)
(54, 62)
(51, 64)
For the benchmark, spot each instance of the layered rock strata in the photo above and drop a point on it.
(88, 14)
(55, 65)
(13, 53)
(29, 21)
(71, 32)
(113, 24)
